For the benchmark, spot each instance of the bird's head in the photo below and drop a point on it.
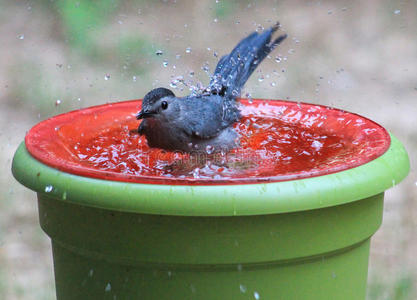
(156, 102)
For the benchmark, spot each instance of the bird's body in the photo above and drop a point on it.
(204, 122)
(192, 124)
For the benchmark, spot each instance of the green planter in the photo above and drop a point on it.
(297, 239)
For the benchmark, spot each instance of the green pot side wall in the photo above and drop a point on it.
(315, 254)
(300, 239)
(217, 200)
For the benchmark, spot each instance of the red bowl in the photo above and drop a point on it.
(280, 140)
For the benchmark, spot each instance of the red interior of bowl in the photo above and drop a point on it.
(280, 140)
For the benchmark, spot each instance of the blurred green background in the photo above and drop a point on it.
(61, 55)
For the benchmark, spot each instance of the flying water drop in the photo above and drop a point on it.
(49, 188)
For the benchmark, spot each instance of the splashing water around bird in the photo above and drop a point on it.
(205, 118)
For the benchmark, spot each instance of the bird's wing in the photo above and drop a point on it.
(234, 69)
(203, 117)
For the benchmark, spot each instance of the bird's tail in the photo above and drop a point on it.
(234, 70)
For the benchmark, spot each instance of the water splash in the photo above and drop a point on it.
(49, 188)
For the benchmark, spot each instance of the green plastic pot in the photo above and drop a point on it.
(296, 239)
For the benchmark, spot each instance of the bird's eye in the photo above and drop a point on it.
(164, 105)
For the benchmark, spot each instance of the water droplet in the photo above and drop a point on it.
(242, 288)
(21, 36)
(165, 63)
(49, 188)
(107, 77)
(316, 145)
(397, 11)
(173, 84)
(205, 68)
(196, 173)
(209, 149)
(256, 295)
(58, 102)
(159, 52)
(188, 50)
(108, 287)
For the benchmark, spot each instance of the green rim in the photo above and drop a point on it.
(217, 200)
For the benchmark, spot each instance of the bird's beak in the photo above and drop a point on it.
(143, 114)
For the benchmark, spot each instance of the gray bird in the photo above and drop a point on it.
(203, 121)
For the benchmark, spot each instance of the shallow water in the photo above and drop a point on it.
(279, 140)
(275, 142)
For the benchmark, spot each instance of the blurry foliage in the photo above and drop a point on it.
(135, 52)
(224, 8)
(33, 88)
(401, 289)
(82, 18)
(83, 24)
